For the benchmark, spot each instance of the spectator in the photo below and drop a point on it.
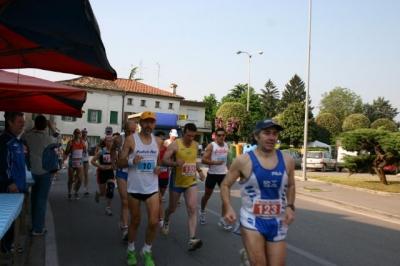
(37, 141)
(12, 167)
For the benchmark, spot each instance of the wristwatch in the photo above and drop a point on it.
(291, 206)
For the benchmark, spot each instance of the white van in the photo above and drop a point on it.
(340, 157)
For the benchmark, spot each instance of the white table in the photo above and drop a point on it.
(10, 209)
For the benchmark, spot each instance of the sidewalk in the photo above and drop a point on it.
(380, 204)
(40, 250)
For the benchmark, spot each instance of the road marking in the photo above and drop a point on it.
(309, 256)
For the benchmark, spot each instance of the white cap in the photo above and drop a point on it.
(173, 133)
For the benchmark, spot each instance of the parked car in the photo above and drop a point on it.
(341, 153)
(319, 160)
(392, 168)
(296, 156)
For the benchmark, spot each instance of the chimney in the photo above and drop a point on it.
(172, 88)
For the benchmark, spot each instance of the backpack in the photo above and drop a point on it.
(50, 158)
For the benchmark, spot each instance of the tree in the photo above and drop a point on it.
(330, 122)
(234, 113)
(270, 100)
(339, 102)
(379, 109)
(294, 92)
(210, 111)
(292, 120)
(385, 124)
(133, 73)
(381, 148)
(355, 121)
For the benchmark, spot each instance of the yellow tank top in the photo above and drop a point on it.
(185, 174)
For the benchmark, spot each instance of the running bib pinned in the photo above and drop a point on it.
(267, 207)
(146, 166)
(189, 169)
(76, 163)
(107, 158)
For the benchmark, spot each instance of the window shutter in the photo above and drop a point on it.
(63, 118)
(73, 118)
(98, 116)
(89, 115)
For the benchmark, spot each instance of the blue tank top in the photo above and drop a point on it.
(264, 184)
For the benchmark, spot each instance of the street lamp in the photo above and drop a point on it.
(248, 75)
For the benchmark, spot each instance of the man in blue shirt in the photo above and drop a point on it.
(12, 166)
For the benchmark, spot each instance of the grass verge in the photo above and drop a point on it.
(367, 183)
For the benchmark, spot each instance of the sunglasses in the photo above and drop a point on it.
(221, 135)
(76, 132)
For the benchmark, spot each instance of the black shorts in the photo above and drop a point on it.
(104, 175)
(163, 182)
(142, 197)
(213, 179)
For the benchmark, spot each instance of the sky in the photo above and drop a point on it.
(354, 44)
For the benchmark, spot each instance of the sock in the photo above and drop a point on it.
(146, 248)
(131, 246)
(166, 222)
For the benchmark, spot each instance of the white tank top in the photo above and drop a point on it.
(86, 155)
(141, 177)
(218, 154)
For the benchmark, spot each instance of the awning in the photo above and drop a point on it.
(61, 36)
(28, 94)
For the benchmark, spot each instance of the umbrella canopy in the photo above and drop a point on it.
(56, 35)
(28, 94)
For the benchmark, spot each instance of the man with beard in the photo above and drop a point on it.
(142, 184)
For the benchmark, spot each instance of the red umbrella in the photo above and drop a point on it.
(61, 36)
(28, 94)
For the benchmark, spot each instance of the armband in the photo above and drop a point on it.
(130, 162)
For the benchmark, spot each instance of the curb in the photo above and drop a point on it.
(298, 178)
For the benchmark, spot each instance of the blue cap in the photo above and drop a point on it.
(268, 123)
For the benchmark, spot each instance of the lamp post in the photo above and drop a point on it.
(248, 74)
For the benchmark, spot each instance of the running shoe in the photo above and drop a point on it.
(97, 197)
(76, 196)
(125, 234)
(69, 196)
(39, 233)
(195, 244)
(161, 223)
(223, 224)
(243, 258)
(202, 217)
(131, 257)
(85, 192)
(108, 211)
(148, 258)
(165, 228)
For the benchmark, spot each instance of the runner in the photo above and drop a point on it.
(216, 156)
(105, 177)
(75, 150)
(184, 181)
(122, 175)
(85, 160)
(142, 184)
(268, 194)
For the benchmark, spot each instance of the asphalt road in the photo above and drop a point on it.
(321, 234)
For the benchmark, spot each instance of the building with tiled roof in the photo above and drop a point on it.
(109, 103)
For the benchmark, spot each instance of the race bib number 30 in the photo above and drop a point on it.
(146, 166)
(189, 169)
(267, 207)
